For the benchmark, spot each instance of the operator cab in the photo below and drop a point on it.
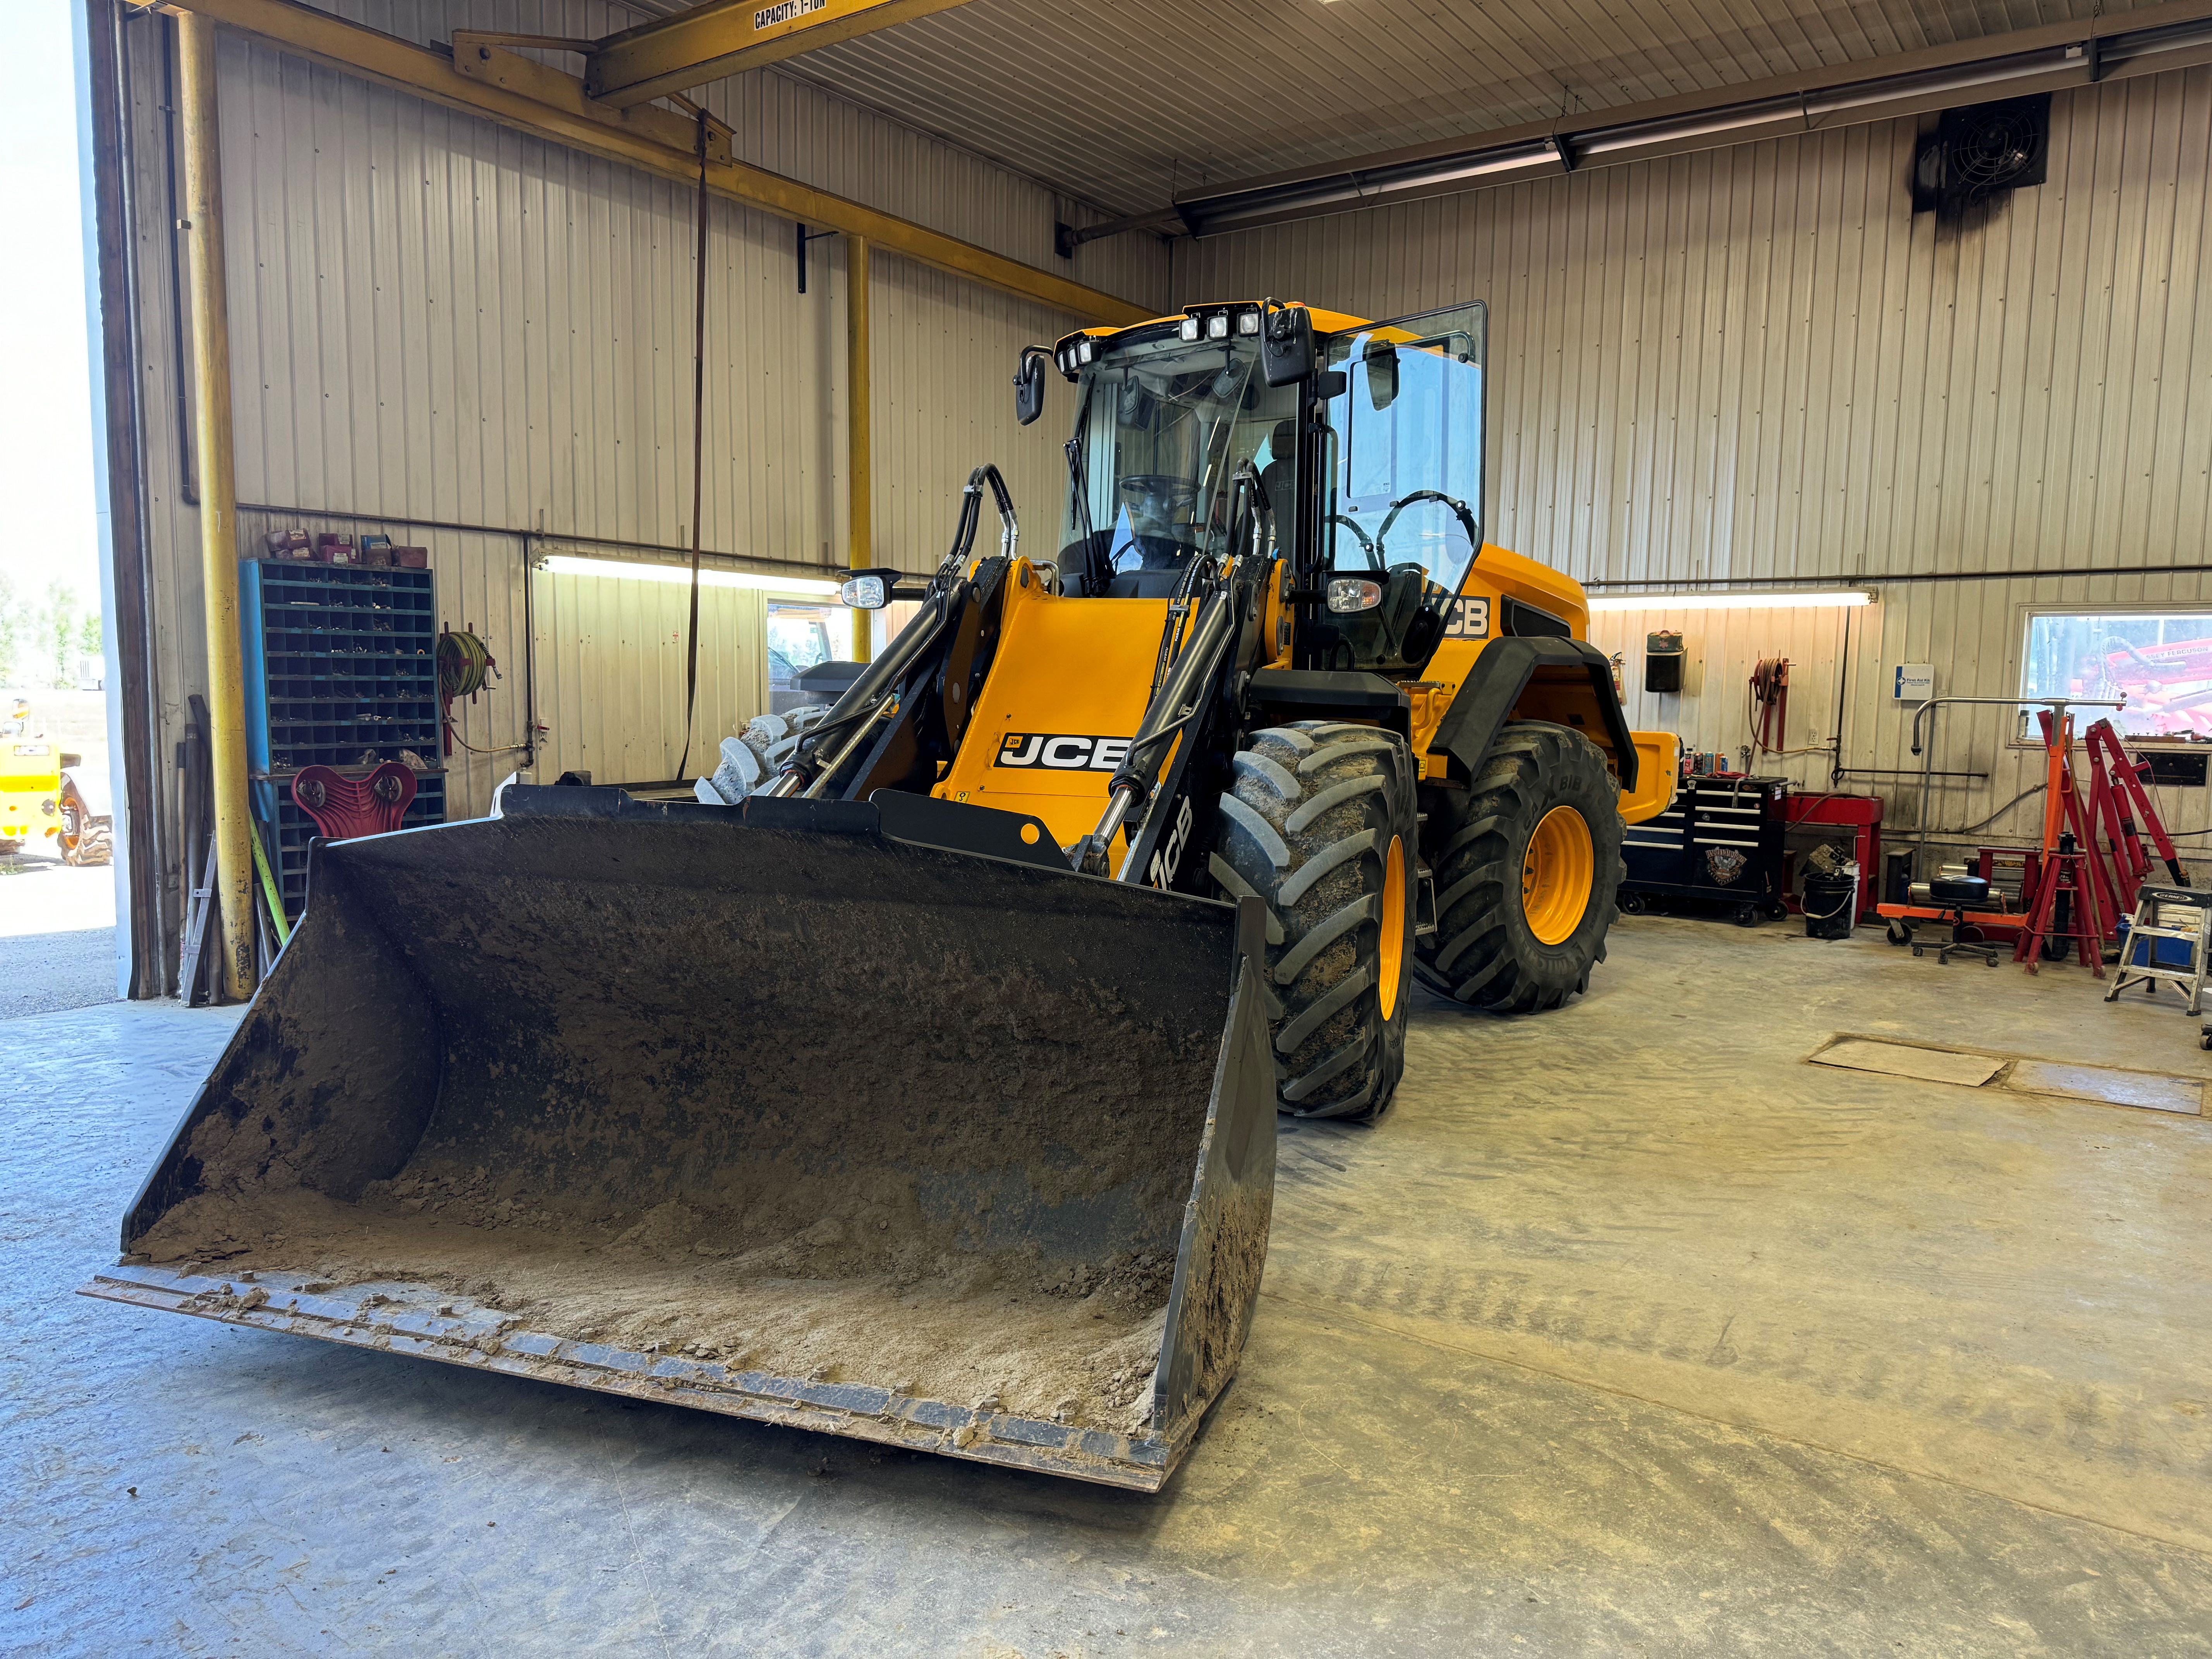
(1163, 428)
(1375, 502)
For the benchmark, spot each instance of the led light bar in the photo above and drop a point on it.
(1798, 600)
(567, 564)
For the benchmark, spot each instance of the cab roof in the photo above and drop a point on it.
(1324, 322)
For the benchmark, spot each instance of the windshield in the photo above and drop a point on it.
(1406, 431)
(1160, 432)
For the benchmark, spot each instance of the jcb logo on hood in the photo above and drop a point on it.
(1468, 618)
(1056, 753)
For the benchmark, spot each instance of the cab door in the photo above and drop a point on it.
(1400, 468)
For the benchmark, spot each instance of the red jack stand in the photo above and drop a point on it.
(2071, 867)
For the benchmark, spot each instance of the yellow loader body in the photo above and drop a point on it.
(924, 1090)
(30, 792)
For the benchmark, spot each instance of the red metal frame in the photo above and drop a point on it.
(344, 807)
(1862, 814)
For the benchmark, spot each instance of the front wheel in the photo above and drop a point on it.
(1319, 824)
(1527, 865)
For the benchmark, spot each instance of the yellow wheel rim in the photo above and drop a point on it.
(1394, 925)
(1556, 875)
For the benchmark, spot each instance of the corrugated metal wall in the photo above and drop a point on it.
(437, 320)
(1758, 364)
(617, 708)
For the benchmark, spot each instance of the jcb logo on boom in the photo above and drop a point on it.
(1166, 861)
(1056, 753)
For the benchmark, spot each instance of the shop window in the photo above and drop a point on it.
(2159, 660)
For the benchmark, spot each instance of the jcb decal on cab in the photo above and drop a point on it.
(1056, 753)
(1470, 617)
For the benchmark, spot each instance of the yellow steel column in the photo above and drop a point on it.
(860, 478)
(226, 688)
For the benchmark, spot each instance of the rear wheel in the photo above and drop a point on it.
(84, 839)
(1320, 825)
(1527, 865)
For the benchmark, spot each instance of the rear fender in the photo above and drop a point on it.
(1658, 764)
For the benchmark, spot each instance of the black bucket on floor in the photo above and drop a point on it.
(542, 1040)
(1830, 904)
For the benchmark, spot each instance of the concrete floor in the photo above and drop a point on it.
(1627, 1332)
(57, 935)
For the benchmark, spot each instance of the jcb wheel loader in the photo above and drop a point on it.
(925, 1094)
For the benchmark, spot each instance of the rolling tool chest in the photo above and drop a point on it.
(1720, 843)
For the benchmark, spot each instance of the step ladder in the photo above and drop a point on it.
(2168, 912)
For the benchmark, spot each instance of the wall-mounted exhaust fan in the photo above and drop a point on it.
(1979, 153)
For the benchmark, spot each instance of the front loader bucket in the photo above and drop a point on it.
(762, 1110)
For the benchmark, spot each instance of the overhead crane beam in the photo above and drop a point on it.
(728, 37)
(552, 105)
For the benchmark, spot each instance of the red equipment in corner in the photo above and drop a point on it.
(344, 807)
(2071, 869)
(2122, 808)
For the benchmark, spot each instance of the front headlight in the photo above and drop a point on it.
(1247, 322)
(1190, 328)
(1087, 350)
(864, 594)
(1349, 595)
(1217, 327)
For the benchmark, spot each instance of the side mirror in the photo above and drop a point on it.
(867, 590)
(1382, 363)
(1286, 343)
(1029, 384)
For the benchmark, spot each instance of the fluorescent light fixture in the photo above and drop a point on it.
(1800, 599)
(566, 564)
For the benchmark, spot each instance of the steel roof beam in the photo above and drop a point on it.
(622, 136)
(728, 37)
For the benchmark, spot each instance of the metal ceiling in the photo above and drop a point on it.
(1125, 106)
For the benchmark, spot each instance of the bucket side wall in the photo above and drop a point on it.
(330, 1079)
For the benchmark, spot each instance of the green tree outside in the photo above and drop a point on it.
(59, 629)
(10, 629)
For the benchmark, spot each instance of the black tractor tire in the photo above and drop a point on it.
(1484, 952)
(1322, 824)
(85, 840)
